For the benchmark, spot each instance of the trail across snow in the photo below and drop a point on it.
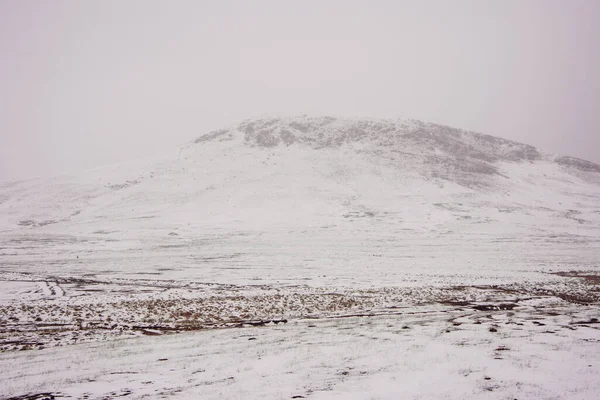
(51, 289)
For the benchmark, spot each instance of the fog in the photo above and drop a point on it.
(88, 83)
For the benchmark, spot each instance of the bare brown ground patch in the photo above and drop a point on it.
(590, 277)
(35, 325)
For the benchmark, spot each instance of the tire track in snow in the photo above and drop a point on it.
(51, 289)
(45, 288)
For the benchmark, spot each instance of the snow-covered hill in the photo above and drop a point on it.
(352, 201)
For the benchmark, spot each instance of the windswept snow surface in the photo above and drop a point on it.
(278, 224)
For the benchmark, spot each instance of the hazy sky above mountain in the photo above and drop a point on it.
(85, 83)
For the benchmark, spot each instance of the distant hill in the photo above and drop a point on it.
(301, 191)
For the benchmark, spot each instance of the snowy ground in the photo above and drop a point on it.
(167, 339)
(360, 262)
(541, 349)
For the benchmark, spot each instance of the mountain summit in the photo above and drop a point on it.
(416, 146)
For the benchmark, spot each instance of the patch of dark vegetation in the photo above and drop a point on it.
(457, 303)
(185, 326)
(494, 307)
(578, 163)
(359, 214)
(124, 372)
(211, 135)
(33, 326)
(103, 232)
(215, 258)
(37, 396)
(122, 393)
(590, 277)
(265, 322)
(32, 223)
(491, 388)
(582, 299)
(588, 322)
(171, 246)
(125, 185)
(587, 293)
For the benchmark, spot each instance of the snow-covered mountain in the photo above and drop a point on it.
(282, 199)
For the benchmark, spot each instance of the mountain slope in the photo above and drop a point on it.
(280, 199)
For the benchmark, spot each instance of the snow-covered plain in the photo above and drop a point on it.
(366, 259)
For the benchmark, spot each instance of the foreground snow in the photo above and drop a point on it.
(543, 349)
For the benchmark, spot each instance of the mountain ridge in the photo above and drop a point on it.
(330, 132)
(461, 151)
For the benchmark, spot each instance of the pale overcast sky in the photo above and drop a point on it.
(86, 83)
